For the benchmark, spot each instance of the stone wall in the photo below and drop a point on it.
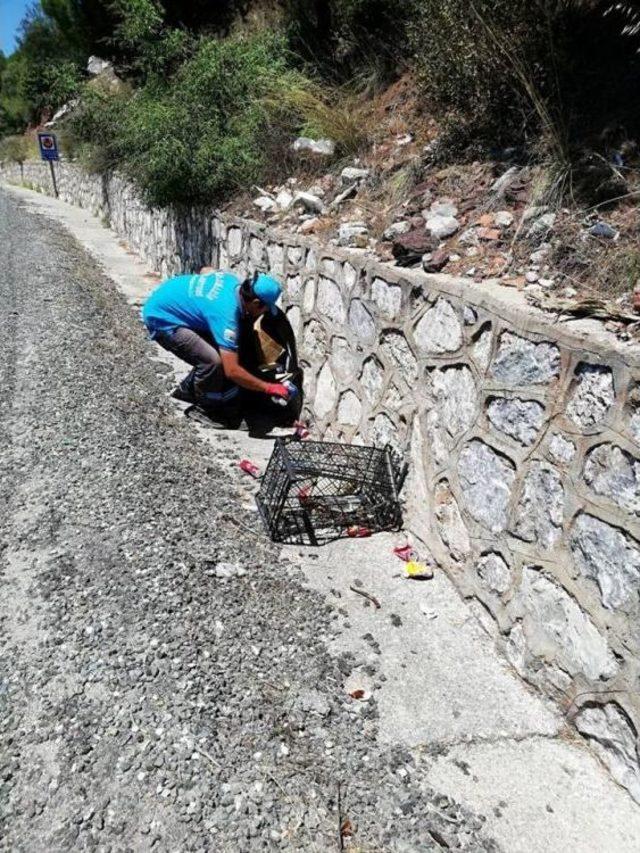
(523, 438)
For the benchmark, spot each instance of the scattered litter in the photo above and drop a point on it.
(304, 494)
(359, 685)
(367, 595)
(346, 829)
(418, 571)
(301, 431)
(404, 552)
(250, 468)
(358, 532)
(428, 612)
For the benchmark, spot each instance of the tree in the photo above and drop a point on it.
(85, 25)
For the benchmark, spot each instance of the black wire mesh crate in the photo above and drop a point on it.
(315, 491)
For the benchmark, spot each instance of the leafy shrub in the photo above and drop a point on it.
(201, 134)
(16, 149)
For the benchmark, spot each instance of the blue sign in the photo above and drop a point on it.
(48, 146)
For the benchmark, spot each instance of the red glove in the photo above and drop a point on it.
(274, 389)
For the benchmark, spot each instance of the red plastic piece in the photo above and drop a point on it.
(304, 493)
(404, 552)
(250, 469)
(301, 430)
(356, 532)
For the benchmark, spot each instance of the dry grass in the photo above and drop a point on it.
(342, 115)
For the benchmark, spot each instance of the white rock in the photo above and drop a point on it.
(486, 479)
(494, 573)
(326, 393)
(394, 347)
(265, 203)
(388, 297)
(443, 207)
(452, 407)
(384, 432)
(540, 254)
(329, 301)
(531, 276)
(96, 66)
(504, 181)
(482, 349)
(396, 230)
(469, 237)
(469, 316)
(557, 631)
(523, 362)
(539, 514)
(593, 395)
(350, 174)
(611, 471)
(519, 419)
(284, 199)
(316, 146)
(308, 202)
(503, 219)
(309, 225)
(442, 226)
(440, 330)
(372, 379)
(610, 557)
(361, 321)
(343, 196)
(353, 234)
(561, 449)
(349, 409)
(613, 736)
(541, 226)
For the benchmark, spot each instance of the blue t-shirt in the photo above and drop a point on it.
(205, 303)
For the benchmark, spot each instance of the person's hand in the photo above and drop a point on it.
(275, 389)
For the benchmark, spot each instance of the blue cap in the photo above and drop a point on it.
(268, 290)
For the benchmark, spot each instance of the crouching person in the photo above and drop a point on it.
(198, 317)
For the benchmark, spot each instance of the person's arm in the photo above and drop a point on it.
(236, 373)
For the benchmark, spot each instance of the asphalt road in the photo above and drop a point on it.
(146, 702)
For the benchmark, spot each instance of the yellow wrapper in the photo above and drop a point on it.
(418, 571)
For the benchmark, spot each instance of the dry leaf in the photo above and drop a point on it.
(346, 829)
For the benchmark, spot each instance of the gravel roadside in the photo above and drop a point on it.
(145, 701)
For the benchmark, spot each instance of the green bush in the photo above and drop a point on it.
(201, 134)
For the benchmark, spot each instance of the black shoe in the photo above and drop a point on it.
(179, 393)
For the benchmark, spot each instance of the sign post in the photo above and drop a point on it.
(49, 151)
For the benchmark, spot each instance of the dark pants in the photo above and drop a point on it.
(206, 383)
